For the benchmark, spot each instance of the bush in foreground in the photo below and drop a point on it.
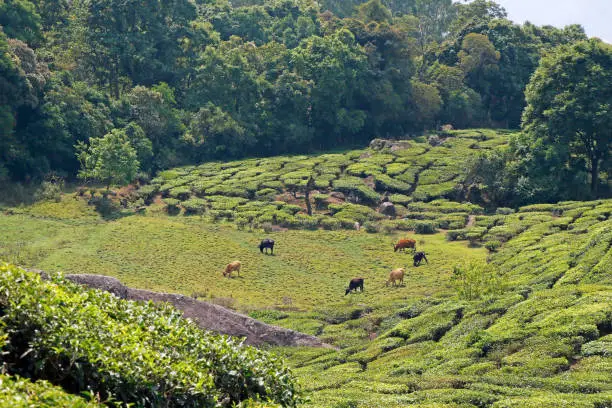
(143, 354)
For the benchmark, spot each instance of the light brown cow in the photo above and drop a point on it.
(396, 275)
(231, 267)
(402, 244)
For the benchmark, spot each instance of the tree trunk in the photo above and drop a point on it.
(594, 176)
(308, 205)
(309, 186)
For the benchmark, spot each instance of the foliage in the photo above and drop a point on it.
(50, 190)
(21, 393)
(110, 159)
(83, 338)
(568, 130)
(232, 79)
(544, 310)
(476, 280)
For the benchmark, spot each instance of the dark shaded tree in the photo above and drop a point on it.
(568, 116)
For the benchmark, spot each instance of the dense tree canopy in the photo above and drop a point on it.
(199, 80)
(568, 119)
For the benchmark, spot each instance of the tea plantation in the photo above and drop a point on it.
(514, 308)
(347, 186)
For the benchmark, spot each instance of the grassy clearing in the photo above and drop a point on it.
(187, 255)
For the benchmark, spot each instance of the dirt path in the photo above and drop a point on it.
(471, 221)
(206, 315)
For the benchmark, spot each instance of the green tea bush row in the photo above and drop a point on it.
(133, 353)
(17, 392)
(355, 186)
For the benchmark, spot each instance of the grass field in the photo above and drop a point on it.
(514, 308)
(186, 255)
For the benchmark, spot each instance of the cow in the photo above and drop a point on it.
(418, 257)
(396, 275)
(402, 244)
(354, 284)
(266, 243)
(231, 267)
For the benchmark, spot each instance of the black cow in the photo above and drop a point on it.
(354, 284)
(266, 243)
(418, 257)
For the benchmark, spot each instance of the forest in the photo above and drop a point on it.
(166, 83)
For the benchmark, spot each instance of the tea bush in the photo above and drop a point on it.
(412, 172)
(16, 392)
(88, 340)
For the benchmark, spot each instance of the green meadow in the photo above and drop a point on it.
(513, 309)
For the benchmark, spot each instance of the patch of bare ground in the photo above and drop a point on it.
(471, 221)
(206, 315)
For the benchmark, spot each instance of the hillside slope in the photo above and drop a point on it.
(535, 330)
(347, 186)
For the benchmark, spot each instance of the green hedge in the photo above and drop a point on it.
(134, 353)
(355, 186)
(16, 392)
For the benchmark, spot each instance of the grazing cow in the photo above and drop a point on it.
(402, 244)
(354, 284)
(266, 243)
(231, 267)
(418, 257)
(396, 275)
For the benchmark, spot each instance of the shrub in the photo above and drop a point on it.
(492, 246)
(425, 227)
(504, 211)
(94, 341)
(172, 205)
(105, 206)
(148, 192)
(50, 190)
(266, 194)
(182, 193)
(452, 221)
(372, 227)
(307, 221)
(292, 208)
(320, 201)
(362, 169)
(456, 235)
(386, 183)
(474, 280)
(400, 199)
(20, 392)
(354, 187)
(330, 223)
(194, 206)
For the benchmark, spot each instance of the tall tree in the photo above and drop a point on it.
(569, 108)
(111, 159)
(19, 19)
(140, 40)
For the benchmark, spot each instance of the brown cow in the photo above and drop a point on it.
(402, 244)
(396, 275)
(231, 267)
